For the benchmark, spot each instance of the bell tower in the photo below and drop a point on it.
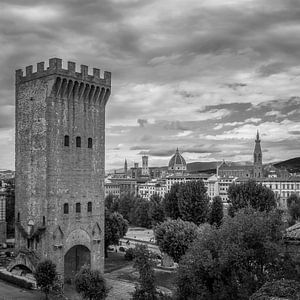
(257, 155)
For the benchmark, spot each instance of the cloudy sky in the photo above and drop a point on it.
(199, 75)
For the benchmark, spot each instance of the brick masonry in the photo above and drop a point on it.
(50, 104)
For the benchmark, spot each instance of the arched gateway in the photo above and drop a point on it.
(75, 259)
(60, 133)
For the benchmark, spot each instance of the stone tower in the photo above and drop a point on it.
(257, 155)
(145, 167)
(60, 131)
(125, 168)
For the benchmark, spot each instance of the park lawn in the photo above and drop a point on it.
(115, 261)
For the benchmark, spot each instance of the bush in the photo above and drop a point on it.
(45, 276)
(17, 281)
(122, 249)
(91, 284)
(129, 254)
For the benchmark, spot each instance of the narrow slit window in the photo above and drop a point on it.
(67, 141)
(89, 207)
(66, 208)
(18, 218)
(90, 143)
(78, 207)
(44, 220)
(78, 141)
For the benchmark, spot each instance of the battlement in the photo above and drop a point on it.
(55, 68)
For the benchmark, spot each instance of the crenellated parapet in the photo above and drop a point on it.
(55, 68)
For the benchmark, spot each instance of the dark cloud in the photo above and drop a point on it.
(142, 122)
(140, 147)
(272, 68)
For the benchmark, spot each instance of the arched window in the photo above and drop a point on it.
(89, 207)
(44, 220)
(67, 141)
(90, 143)
(66, 208)
(18, 219)
(78, 207)
(78, 141)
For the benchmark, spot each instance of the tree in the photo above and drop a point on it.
(140, 215)
(156, 211)
(112, 202)
(251, 194)
(170, 203)
(232, 262)
(293, 204)
(115, 228)
(193, 202)
(216, 211)
(91, 284)
(175, 236)
(45, 276)
(126, 205)
(144, 263)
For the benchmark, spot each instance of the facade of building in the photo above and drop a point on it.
(146, 190)
(60, 133)
(112, 188)
(172, 179)
(122, 185)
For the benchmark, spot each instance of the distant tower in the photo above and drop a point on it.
(60, 134)
(145, 168)
(257, 155)
(125, 167)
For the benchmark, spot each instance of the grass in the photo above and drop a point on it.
(115, 261)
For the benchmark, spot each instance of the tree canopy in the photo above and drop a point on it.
(170, 202)
(232, 262)
(175, 236)
(115, 228)
(252, 194)
(156, 210)
(193, 202)
(293, 203)
(216, 211)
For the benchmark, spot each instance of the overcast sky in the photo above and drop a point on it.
(202, 76)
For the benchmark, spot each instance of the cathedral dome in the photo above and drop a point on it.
(177, 162)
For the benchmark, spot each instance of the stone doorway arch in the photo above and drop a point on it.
(75, 258)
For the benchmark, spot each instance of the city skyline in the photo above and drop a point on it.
(202, 76)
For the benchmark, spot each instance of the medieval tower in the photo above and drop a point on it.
(257, 155)
(60, 132)
(145, 167)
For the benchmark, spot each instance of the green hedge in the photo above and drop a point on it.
(17, 281)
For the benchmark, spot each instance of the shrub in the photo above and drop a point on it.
(45, 276)
(91, 284)
(129, 254)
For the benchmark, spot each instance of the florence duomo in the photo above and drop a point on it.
(149, 150)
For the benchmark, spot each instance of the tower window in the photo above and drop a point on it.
(67, 141)
(90, 143)
(44, 220)
(78, 141)
(78, 207)
(18, 218)
(89, 207)
(66, 208)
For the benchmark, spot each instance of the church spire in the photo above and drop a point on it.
(125, 167)
(257, 155)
